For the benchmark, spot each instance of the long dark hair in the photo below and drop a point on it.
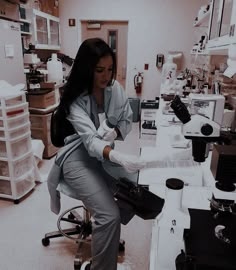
(81, 76)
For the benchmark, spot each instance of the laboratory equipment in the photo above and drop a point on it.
(208, 245)
(208, 105)
(170, 225)
(211, 240)
(149, 109)
(33, 76)
(223, 167)
(168, 75)
(54, 67)
(231, 62)
(204, 125)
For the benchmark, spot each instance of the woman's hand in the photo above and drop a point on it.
(131, 163)
(106, 133)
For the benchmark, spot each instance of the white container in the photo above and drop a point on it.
(168, 70)
(171, 223)
(54, 67)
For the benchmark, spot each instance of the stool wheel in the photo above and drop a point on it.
(45, 242)
(77, 265)
(122, 246)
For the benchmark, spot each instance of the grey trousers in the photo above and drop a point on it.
(95, 187)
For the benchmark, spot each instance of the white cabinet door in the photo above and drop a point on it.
(46, 31)
(221, 24)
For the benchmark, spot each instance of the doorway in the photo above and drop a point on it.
(115, 33)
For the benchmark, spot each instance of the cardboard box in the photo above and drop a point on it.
(47, 85)
(40, 129)
(41, 100)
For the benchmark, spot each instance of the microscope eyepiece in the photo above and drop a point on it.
(180, 110)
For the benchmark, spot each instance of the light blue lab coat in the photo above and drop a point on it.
(83, 109)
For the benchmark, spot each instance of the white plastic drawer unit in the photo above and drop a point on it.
(13, 111)
(17, 167)
(15, 121)
(25, 184)
(15, 132)
(6, 102)
(16, 148)
(21, 187)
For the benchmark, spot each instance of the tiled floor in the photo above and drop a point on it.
(23, 225)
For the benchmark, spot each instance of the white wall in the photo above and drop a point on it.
(155, 26)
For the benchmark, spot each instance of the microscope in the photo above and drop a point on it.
(210, 243)
(201, 122)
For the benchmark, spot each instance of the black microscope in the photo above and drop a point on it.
(210, 243)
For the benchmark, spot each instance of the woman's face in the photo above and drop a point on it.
(103, 72)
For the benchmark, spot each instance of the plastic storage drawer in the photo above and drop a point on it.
(16, 121)
(14, 132)
(12, 100)
(22, 186)
(17, 167)
(13, 111)
(18, 146)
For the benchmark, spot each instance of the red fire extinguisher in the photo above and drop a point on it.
(138, 81)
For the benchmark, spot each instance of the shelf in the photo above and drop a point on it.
(220, 50)
(205, 52)
(25, 33)
(25, 21)
(202, 20)
(42, 31)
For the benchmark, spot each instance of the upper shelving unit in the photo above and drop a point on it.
(203, 21)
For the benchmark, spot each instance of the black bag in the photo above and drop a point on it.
(145, 204)
(60, 128)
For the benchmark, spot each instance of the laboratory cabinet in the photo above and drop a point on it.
(17, 168)
(46, 31)
(25, 22)
(221, 30)
(201, 28)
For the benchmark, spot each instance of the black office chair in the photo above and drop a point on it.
(78, 217)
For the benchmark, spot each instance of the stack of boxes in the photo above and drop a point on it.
(17, 170)
(40, 129)
(41, 106)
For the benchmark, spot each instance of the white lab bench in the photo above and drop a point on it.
(197, 177)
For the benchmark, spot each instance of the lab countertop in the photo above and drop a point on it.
(175, 155)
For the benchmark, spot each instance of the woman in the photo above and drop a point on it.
(87, 167)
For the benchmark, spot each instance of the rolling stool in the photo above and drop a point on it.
(80, 232)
